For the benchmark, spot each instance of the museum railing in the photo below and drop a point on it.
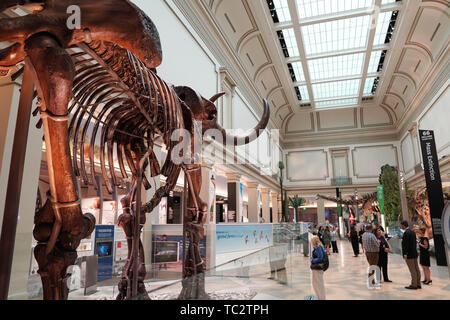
(280, 271)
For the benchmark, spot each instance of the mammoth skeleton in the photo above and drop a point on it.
(97, 85)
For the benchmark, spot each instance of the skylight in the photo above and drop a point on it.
(288, 42)
(339, 102)
(315, 8)
(329, 70)
(385, 27)
(336, 35)
(346, 88)
(335, 67)
(282, 10)
(298, 72)
(302, 93)
(370, 86)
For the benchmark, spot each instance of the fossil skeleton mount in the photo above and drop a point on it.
(97, 85)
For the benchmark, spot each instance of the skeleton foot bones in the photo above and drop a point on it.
(97, 84)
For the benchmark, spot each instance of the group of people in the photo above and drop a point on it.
(322, 242)
(376, 249)
(328, 237)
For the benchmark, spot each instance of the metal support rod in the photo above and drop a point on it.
(184, 224)
(137, 222)
(11, 212)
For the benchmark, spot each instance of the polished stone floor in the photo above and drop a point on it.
(346, 279)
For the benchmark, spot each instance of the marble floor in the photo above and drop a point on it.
(344, 280)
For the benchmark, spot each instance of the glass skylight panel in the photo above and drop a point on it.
(302, 93)
(374, 61)
(339, 102)
(289, 42)
(314, 8)
(385, 27)
(368, 87)
(298, 71)
(387, 1)
(338, 66)
(346, 88)
(336, 35)
(282, 8)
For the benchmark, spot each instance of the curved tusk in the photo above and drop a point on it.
(252, 134)
(215, 97)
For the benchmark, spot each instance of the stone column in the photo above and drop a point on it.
(10, 93)
(265, 199)
(320, 211)
(274, 199)
(9, 104)
(253, 214)
(206, 193)
(280, 212)
(234, 196)
(208, 196)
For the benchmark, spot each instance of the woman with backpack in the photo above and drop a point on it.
(319, 263)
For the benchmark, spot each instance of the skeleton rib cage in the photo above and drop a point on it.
(120, 105)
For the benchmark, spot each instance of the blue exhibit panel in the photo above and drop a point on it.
(232, 238)
(104, 240)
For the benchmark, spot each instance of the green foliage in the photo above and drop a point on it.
(296, 202)
(389, 180)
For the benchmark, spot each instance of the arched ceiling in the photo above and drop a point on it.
(328, 65)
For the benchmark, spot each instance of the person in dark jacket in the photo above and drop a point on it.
(424, 259)
(360, 234)
(354, 239)
(383, 254)
(409, 252)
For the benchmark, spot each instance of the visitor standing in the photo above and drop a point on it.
(327, 239)
(409, 252)
(333, 234)
(424, 259)
(318, 257)
(371, 247)
(383, 253)
(360, 234)
(353, 237)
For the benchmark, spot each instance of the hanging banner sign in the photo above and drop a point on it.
(380, 197)
(434, 189)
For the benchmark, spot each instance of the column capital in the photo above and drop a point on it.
(233, 177)
(252, 185)
(265, 190)
(273, 194)
(207, 163)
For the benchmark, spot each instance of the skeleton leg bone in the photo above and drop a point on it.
(194, 281)
(60, 225)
